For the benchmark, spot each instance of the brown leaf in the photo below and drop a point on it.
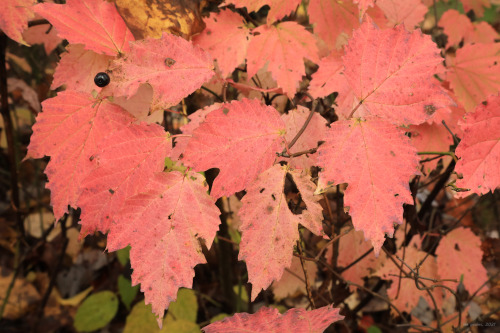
(152, 17)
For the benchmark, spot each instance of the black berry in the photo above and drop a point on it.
(101, 79)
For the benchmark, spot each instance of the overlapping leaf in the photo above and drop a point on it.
(333, 18)
(314, 133)
(390, 72)
(14, 18)
(226, 38)
(283, 48)
(163, 225)
(126, 161)
(459, 257)
(323, 82)
(409, 12)
(458, 27)
(69, 130)
(479, 150)
(241, 139)
(42, 34)
(474, 73)
(269, 320)
(78, 67)
(94, 23)
(173, 66)
(377, 160)
(270, 229)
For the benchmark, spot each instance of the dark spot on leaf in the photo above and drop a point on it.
(269, 209)
(457, 247)
(111, 191)
(209, 32)
(262, 190)
(169, 62)
(225, 110)
(429, 109)
(91, 158)
(193, 178)
(393, 154)
(170, 217)
(396, 195)
(274, 198)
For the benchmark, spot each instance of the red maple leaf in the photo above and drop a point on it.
(240, 138)
(390, 73)
(269, 227)
(94, 23)
(269, 320)
(283, 48)
(14, 18)
(173, 66)
(125, 160)
(226, 38)
(163, 225)
(479, 150)
(78, 67)
(377, 160)
(69, 130)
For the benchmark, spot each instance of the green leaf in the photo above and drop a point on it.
(96, 311)
(181, 326)
(184, 308)
(141, 319)
(123, 255)
(218, 317)
(373, 329)
(126, 291)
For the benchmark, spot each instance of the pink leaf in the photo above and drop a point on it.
(269, 320)
(163, 225)
(390, 72)
(459, 253)
(42, 34)
(408, 296)
(292, 281)
(69, 129)
(14, 18)
(283, 48)
(323, 82)
(351, 247)
(408, 12)
(315, 132)
(241, 139)
(94, 23)
(126, 161)
(173, 66)
(333, 20)
(377, 160)
(195, 120)
(476, 5)
(226, 38)
(78, 67)
(474, 73)
(269, 228)
(479, 150)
